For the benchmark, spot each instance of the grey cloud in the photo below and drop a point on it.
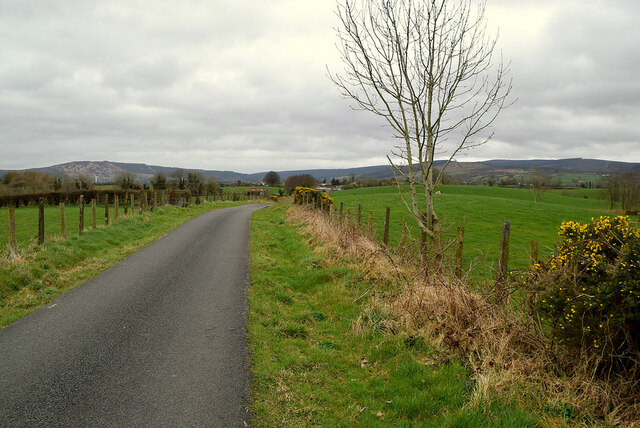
(241, 84)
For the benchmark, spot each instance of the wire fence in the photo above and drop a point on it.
(41, 222)
(476, 258)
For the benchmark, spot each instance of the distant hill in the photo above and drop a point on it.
(471, 172)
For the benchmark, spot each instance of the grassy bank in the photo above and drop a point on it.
(38, 275)
(317, 362)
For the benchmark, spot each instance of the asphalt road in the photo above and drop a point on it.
(156, 340)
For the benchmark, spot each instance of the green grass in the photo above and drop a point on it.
(27, 221)
(311, 368)
(481, 210)
(40, 274)
(574, 177)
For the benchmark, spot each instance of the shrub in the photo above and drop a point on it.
(302, 180)
(587, 294)
(312, 196)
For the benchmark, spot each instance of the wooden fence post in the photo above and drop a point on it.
(93, 213)
(459, 244)
(144, 204)
(116, 205)
(63, 225)
(340, 214)
(106, 209)
(332, 212)
(385, 236)
(403, 238)
(359, 216)
(533, 253)
(133, 204)
(154, 204)
(12, 230)
(81, 217)
(126, 204)
(41, 221)
(503, 258)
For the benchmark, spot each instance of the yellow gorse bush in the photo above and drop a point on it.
(587, 294)
(592, 243)
(313, 196)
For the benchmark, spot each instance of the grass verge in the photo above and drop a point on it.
(321, 357)
(37, 275)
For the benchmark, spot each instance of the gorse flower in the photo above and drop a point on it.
(588, 291)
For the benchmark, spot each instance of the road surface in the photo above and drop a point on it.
(156, 340)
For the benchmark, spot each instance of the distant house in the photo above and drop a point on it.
(258, 192)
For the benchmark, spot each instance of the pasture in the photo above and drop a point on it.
(27, 221)
(481, 210)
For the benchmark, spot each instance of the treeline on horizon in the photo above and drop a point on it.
(15, 182)
(621, 189)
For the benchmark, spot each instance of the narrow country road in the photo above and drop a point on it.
(156, 340)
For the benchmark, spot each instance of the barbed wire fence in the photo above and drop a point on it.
(470, 257)
(37, 221)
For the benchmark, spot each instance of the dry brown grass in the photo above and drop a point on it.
(506, 353)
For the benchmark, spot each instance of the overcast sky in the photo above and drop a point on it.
(241, 84)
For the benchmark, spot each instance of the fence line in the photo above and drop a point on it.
(45, 224)
(438, 247)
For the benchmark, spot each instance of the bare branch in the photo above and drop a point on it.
(424, 67)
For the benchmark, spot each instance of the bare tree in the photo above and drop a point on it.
(540, 180)
(127, 180)
(425, 66)
(623, 189)
(177, 178)
(159, 181)
(293, 181)
(271, 178)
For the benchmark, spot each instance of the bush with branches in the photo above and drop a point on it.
(587, 294)
(311, 196)
(300, 180)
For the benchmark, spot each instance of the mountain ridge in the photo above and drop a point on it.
(106, 171)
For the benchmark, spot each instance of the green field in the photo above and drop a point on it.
(311, 367)
(27, 221)
(481, 210)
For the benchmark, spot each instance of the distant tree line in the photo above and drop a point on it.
(17, 183)
(14, 182)
(623, 189)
